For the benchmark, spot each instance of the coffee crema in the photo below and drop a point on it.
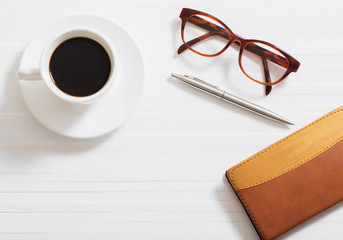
(80, 66)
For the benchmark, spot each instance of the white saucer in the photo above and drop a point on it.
(108, 112)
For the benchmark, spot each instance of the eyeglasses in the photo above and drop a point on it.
(260, 61)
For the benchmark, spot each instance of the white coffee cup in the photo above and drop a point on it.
(43, 72)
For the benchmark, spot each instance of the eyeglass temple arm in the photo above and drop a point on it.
(217, 30)
(194, 41)
(266, 75)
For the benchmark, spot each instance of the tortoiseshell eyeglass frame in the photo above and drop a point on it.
(285, 61)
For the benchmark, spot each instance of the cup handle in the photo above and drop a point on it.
(29, 74)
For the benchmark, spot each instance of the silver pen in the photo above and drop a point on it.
(215, 91)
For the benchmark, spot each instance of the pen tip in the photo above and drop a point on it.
(288, 122)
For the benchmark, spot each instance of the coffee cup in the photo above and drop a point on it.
(78, 65)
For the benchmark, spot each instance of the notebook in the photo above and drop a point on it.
(294, 179)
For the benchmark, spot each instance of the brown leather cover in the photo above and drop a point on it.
(278, 199)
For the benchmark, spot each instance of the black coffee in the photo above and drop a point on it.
(80, 66)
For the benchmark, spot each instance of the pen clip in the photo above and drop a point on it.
(201, 81)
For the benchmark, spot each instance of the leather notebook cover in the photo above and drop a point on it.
(294, 179)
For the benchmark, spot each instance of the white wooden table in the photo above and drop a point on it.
(161, 175)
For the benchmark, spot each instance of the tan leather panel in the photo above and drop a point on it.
(281, 204)
(284, 155)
